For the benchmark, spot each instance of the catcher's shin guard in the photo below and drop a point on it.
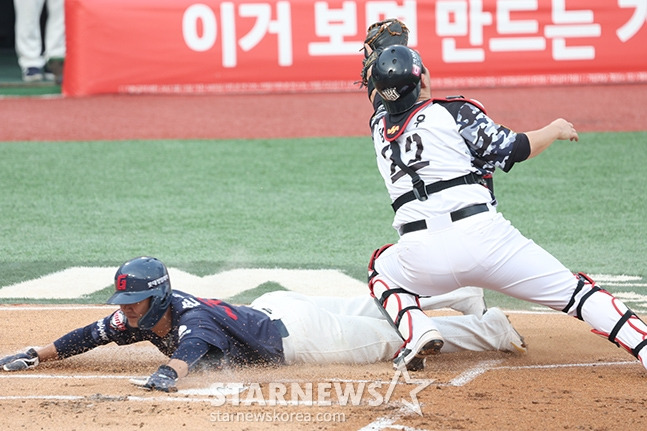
(402, 310)
(608, 316)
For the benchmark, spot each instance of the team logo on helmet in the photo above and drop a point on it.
(390, 94)
(121, 281)
(158, 281)
(139, 279)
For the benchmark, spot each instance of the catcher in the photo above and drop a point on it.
(277, 328)
(380, 35)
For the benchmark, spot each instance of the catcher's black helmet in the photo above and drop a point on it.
(396, 75)
(141, 278)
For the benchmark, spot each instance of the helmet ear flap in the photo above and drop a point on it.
(160, 302)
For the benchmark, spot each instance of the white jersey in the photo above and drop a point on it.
(439, 252)
(453, 147)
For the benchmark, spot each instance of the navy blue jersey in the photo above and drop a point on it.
(243, 335)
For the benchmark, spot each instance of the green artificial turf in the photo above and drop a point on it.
(206, 206)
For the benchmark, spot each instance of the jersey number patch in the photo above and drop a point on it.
(217, 303)
(415, 163)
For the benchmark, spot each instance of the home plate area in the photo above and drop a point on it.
(568, 379)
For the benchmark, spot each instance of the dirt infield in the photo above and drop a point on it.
(569, 379)
(590, 108)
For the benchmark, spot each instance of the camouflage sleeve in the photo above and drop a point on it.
(492, 145)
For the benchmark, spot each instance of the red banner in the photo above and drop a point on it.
(186, 46)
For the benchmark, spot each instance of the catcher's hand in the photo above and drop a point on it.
(162, 380)
(20, 361)
(378, 36)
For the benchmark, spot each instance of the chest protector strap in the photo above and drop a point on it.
(470, 178)
(393, 128)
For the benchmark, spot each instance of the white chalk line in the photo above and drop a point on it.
(389, 422)
(485, 366)
(468, 375)
(54, 307)
(461, 380)
(475, 371)
(65, 377)
(549, 366)
(105, 398)
(379, 424)
(120, 377)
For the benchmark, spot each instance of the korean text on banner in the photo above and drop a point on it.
(186, 46)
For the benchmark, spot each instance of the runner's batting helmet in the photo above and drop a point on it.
(396, 76)
(141, 278)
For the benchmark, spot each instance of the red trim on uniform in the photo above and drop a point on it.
(461, 99)
(613, 302)
(410, 328)
(371, 287)
(392, 131)
(635, 328)
(375, 255)
(399, 305)
(605, 335)
(399, 127)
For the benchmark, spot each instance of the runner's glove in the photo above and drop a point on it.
(20, 361)
(162, 380)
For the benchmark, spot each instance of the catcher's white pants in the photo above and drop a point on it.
(28, 37)
(353, 331)
(485, 250)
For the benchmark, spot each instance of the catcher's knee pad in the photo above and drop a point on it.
(371, 263)
(584, 289)
(397, 305)
(608, 316)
